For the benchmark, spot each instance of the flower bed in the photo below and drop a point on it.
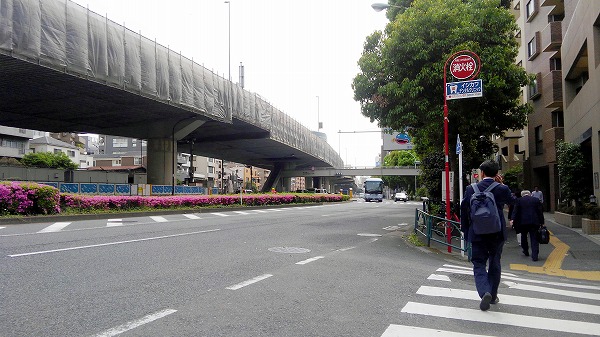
(31, 199)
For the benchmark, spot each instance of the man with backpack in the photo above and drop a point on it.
(484, 226)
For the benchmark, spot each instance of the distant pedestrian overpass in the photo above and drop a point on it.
(67, 69)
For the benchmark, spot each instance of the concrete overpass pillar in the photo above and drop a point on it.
(160, 161)
(308, 182)
(162, 152)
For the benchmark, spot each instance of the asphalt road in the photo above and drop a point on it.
(333, 270)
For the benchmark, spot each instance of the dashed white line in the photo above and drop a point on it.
(242, 213)
(111, 243)
(134, 324)
(259, 211)
(219, 214)
(55, 227)
(192, 216)
(311, 260)
(159, 219)
(114, 222)
(249, 282)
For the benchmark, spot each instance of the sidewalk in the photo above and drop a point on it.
(570, 253)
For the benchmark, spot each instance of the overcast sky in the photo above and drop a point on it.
(292, 51)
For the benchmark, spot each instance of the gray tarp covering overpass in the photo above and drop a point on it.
(65, 68)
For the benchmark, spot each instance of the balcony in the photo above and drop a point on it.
(552, 36)
(552, 89)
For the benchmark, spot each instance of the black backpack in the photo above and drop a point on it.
(484, 213)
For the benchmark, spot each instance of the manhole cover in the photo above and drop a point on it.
(367, 234)
(292, 250)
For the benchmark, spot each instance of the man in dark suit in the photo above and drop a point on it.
(527, 218)
(486, 248)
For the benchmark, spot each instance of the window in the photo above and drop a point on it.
(119, 142)
(532, 47)
(57, 151)
(71, 153)
(504, 151)
(137, 161)
(539, 140)
(211, 169)
(534, 91)
(558, 119)
(555, 64)
(530, 9)
(555, 17)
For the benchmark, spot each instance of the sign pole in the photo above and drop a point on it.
(465, 65)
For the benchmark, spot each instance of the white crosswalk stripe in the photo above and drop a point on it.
(114, 222)
(192, 216)
(55, 227)
(159, 219)
(219, 214)
(577, 317)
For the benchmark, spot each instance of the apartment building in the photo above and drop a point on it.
(560, 46)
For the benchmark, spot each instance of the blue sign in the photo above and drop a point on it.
(464, 89)
(458, 145)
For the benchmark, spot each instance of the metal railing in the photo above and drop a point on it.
(434, 229)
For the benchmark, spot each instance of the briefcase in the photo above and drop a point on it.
(543, 235)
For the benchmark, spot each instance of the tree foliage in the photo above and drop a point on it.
(573, 171)
(400, 158)
(400, 84)
(49, 160)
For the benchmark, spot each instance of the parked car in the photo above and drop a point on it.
(400, 196)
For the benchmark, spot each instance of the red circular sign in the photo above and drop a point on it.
(463, 66)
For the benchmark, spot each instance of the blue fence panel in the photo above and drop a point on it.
(168, 189)
(158, 189)
(179, 189)
(106, 188)
(123, 188)
(88, 188)
(69, 188)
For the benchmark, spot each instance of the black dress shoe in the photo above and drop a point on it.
(485, 302)
(534, 259)
(526, 253)
(495, 300)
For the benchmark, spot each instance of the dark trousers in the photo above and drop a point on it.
(487, 278)
(531, 231)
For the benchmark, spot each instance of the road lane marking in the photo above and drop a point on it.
(192, 216)
(511, 300)
(249, 282)
(219, 214)
(311, 260)
(1, 227)
(55, 227)
(553, 291)
(436, 277)
(242, 213)
(110, 243)
(114, 222)
(159, 219)
(134, 324)
(511, 277)
(395, 330)
(259, 211)
(476, 315)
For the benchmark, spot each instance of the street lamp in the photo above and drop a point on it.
(229, 38)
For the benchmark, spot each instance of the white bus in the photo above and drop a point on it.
(373, 189)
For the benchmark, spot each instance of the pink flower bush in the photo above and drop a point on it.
(28, 198)
(32, 198)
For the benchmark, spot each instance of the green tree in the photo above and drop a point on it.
(49, 160)
(400, 158)
(574, 172)
(401, 80)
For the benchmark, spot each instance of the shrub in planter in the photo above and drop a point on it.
(591, 212)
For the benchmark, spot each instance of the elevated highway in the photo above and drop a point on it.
(67, 69)
(352, 172)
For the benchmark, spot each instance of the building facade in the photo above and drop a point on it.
(560, 47)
